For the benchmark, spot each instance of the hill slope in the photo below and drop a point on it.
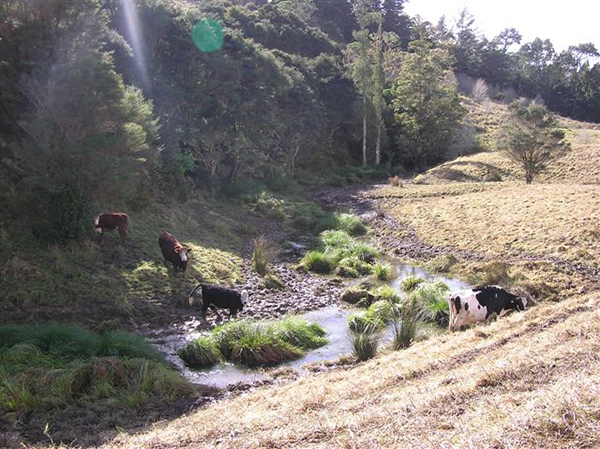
(530, 380)
(579, 164)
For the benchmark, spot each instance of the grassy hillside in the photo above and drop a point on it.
(580, 163)
(530, 380)
(101, 284)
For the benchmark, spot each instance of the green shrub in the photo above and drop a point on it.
(365, 341)
(382, 271)
(411, 282)
(201, 353)
(318, 262)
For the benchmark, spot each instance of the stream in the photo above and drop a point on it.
(332, 318)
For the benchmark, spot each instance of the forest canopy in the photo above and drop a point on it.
(109, 102)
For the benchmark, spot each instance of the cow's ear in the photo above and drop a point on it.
(189, 250)
(177, 249)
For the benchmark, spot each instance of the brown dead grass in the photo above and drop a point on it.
(529, 380)
(507, 219)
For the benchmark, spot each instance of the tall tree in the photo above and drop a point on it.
(378, 89)
(426, 103)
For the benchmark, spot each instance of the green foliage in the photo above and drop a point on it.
(255, 343)
(55, 366)
(406, 321)
(432, 298)
(426, 103)
(350, 223)
(382, 271)
(411, 282)
(71, 343)
(317, 262)
(263, 253)
(365, 341)
(530, 138)
(201, 353)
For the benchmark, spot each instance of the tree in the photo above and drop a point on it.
(426, 103)
(378, 90)
(529, 138)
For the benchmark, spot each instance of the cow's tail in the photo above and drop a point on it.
(191, 295)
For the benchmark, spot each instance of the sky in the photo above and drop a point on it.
(564, 23)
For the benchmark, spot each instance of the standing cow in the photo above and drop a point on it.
(481, 304)
(110, 222)
(173, 252)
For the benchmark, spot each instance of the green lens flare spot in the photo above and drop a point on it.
(207, 35)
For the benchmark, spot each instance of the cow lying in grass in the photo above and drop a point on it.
(481, 304)
(220, 297)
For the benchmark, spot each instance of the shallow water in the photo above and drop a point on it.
(333, 319)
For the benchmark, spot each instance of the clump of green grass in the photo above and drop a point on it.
(411, 282)
(350, 223)
(383, 271)
(54, 366)
(406, 320)
(365, 341)
(256, 343)
(263, 253)
(442, 264)
(432, 297)
(201, 353)
(318, 262)
(355, 295)
(300, 333)
(71, 342)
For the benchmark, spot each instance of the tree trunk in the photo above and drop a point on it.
(378, 145)
(364, 149)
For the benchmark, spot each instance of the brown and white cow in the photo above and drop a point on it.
(481, 304)
(110, 222)
(173, 251)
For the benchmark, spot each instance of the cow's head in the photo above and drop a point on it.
(183, 252)
(97, 227)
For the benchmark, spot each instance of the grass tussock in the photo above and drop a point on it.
(255, 343)
(340, 251)
(432, 298)
(411, 282)
(495, 273)
(365, 341)
(383, 271)
(54, 367)
(406, 320)
(263, 253)
(442, 264)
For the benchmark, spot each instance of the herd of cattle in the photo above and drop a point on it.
(466, 307)
(177, 255)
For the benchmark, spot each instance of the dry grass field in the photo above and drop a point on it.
(528, 381)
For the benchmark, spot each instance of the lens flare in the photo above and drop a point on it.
(207, 35)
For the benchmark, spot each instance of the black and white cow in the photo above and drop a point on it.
(481, 304)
